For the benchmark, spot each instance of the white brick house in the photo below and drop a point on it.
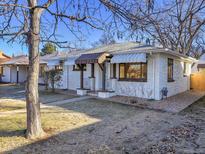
(144, 72)
(120, 69)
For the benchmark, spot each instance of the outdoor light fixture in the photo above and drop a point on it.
(108, 58)
(17, 68)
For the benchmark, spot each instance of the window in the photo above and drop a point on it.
(59, 67)
(185, 69)
(133, 72)
(41, 71)
(77, 68)
(122, 71)
(113, 71)
(170, 70)
(1, 70)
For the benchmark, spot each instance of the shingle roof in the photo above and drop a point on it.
(117, 48)
(3, 57)
(20, 60)
(61, 55)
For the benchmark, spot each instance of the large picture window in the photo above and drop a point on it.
(133, 72)
(170, 70)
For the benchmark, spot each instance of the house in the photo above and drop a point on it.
(128, 69)
(15, 70)
(56, 61)
(3, 58)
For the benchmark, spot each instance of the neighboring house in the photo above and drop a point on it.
(199, 65)
(126, 69)
(3, 58)
(16, 69)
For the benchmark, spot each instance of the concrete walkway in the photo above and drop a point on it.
(53, 104)
(67, 101)
(179, 102)
(172, 104)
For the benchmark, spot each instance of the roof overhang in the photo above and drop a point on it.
(179, 55)
(53, 62)
(201, 66)
(92, 58)
(129, 58)
(70, 61)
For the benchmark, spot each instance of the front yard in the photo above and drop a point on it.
(13, 97)
(99, 126)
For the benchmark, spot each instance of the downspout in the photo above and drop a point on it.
(67, 76)
(153, 74)
(17, 74)
(103, 76)
(10, 73)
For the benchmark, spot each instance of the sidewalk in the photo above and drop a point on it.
(53, 104)
(173, 104)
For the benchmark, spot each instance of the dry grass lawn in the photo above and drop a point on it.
(13, 97)
(54, 120)
(98, 126)
(89, 126)
(11, 104)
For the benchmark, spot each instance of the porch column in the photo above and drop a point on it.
(92, 77)
(92, 70)
(103, 76)
(17, 74)
(81, 76)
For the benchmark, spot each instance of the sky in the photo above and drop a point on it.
(90, 35)
(16, 48)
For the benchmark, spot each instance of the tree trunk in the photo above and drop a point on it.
(34, 128)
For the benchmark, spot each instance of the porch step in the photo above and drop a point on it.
(93, 93)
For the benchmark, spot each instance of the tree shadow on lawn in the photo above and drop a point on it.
(20, 133)
(82, 139)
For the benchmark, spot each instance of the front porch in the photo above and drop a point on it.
(97, 80)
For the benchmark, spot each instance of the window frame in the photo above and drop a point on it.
(185, 69)
(170, 62)
(113, 73)
(59, 67)
(1, 70)
(78, 69)
(131, 79)
(41, 70)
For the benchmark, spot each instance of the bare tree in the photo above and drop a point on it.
(33, 22)
(106, 38)
(30, 22)
(175, 24)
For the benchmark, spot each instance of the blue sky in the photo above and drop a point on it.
(16, 48)
(90, 35)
